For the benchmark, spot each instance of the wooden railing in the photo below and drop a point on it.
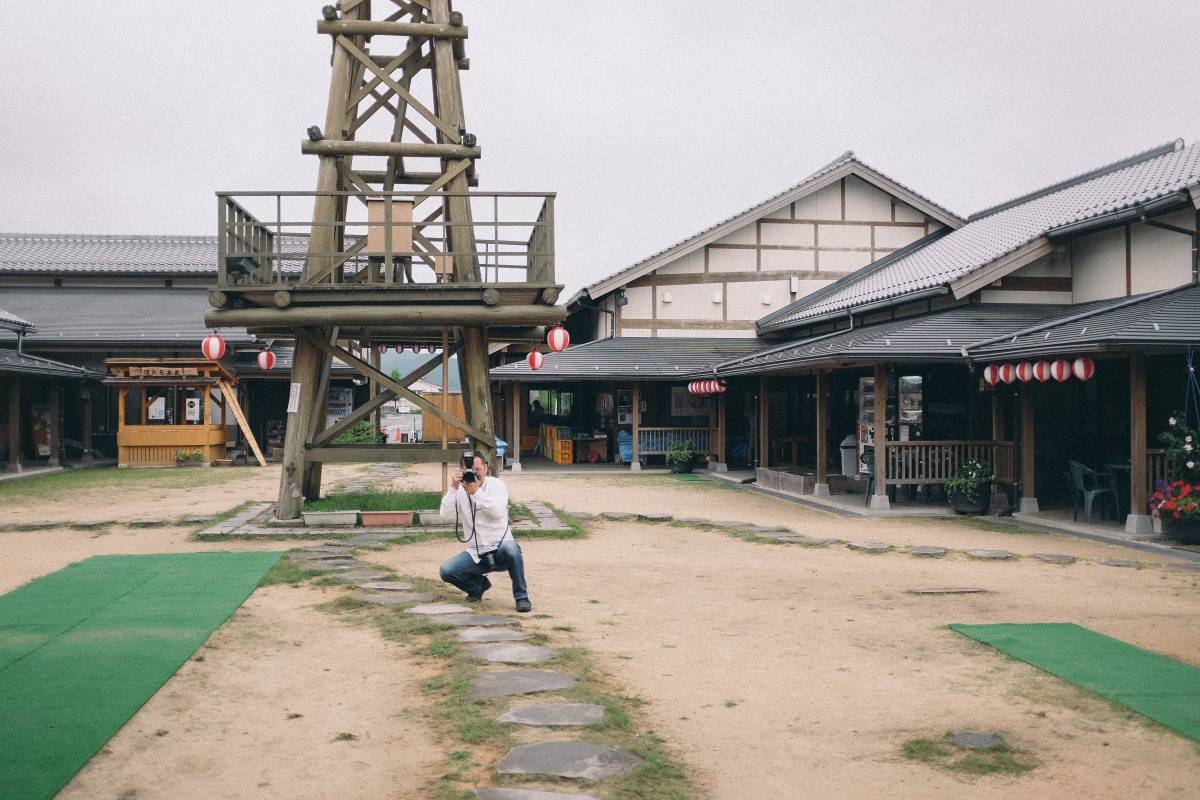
(933, 462)
(1157, 468)
(655, 441)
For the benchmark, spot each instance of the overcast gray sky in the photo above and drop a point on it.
(651, 120)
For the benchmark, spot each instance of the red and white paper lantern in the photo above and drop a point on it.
(1008, 373)
(1060, 370)
(1041, 371)
(706, 387)
(1025, 371)
(1083, 368)
(213, 347)
(535, 359)
(383, 348)
(558, 339)
(991, 374)
(399, 348)
(266, 360)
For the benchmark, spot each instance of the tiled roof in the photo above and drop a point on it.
(13, 322)
(64, 253)
(125, 317)
(845, 160)
(12, 362)
(996, 232)
(631, 358)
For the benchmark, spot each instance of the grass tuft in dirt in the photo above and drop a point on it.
(944, 754)
(285, 570)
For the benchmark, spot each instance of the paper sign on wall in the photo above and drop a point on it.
(294, 399)
(158, 409)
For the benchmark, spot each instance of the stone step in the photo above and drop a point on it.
(1055, 558)
(992, 554)
(521, 681)
(514, 653)
(927, 550)
(593, 762)
(386, 586)
(480, 635)
(527, 794)
(439, 608)
(394, 598)
(362, 575)
(554, 715)
(469, 620)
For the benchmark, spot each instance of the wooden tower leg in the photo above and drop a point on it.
(306, 367)
(476, 390)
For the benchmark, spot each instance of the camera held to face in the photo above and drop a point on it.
(468, 467)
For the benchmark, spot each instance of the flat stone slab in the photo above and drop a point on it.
(480, 635)
(616, 515)
(95, 523)
(950, 590)
(387, 586)
(568, 760)
(871, 547)
(329, 549)
(1055, 558)
(520, 681)
(793, 539)
(655, 517)
(43, 525)
(823, 540)
(730, 524)
(580, 515)
(395, 598)
(148, 522)
(1182, 567)
(980, 741)
(1117, 562)
(514, 653)
(527, 794)
(363, 575)
(554, 714)
(192, 519)
(927, 550)
(988, 553)
(333, 566)
(440, 608)
(694, 520)
(469, 620)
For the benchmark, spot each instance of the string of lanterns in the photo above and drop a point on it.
(706, 387)
(557, 338)
(1060, 370)
(416, 348)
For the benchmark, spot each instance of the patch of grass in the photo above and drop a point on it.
(980, 524)
(285, 570)
(376, 501)
(944, 754)
(221, 517)
(146, 481)
(575, 529)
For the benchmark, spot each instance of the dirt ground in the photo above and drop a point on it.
(772, 671)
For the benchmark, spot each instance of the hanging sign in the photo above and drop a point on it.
(193, 409)
(158, 409)
(294, 399)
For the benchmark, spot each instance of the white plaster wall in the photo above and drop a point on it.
(639, 305)
(783, 213)
(1161, 259)
(722, 260)
(1054, 265)
(888, 238)
(808, 287)
(843, 236)
(1098, 266)
(775, 260)
(794, 234)
(906, 213)
(707, 333)
(842, 261)
(823, 204)
(745, 299)
(866, 202)
(1029, 298)
(690, 301)
(690, 263)
(743, 235)
(933, 224)
(635, 332)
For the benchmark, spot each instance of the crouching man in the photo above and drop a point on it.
(479, 503)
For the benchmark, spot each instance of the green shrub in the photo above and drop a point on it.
(363, 432)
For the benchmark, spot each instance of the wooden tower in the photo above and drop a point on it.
(392, 255)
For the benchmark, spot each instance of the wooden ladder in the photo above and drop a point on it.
(232, 404)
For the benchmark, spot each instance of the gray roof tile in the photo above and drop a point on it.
(631, 358)
(63, 253)
(12, 362)
(13, 322)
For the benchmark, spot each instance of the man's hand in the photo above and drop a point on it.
(472, 488)
(456, 478)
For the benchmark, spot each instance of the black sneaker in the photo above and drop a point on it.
(478, 598)
(524, 606)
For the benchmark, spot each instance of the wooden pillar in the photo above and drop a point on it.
(86, 394)
(1028, 502)
(1138, 522)
(821, 489)
(445, 405)
(477, 388)
(514, 445)
(722, 405)
(14, 426)
(998, 408)
(764, 439)
(636, 464)
(306, 368)
(311, 485)
(880, 500)
(55, 425)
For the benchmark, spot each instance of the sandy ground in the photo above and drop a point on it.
(772, 671)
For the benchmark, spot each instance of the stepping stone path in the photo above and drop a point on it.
(977, 741)
(363, 575)
(387, 586)
(616, 515)
(337, 549)
(793, 539)
(544, 519)
(581, 515)
(467, 620)
(333, 566)
(950, 590)
(927, 550)
(554, 715)
(148, 522)
(339, 555)
(514, 653)
(439, 608)
(694, 520)
(522, 681)
(395, 598)
(994, 554)
(825, 540)
(593, 762)
(1118, 562)
(480, 635)
(870, 547)
(1055, 558)
(654, 517)
(97, 523)
(527, 794)
(237, 520)
(195, 519)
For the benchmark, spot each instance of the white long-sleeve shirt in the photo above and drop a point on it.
(485, 527)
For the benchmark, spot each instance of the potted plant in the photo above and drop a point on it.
(967, 490)
(188, 457)
(1177, 499)
(679, 455)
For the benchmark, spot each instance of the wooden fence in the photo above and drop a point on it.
(655, 441)
(933, 462)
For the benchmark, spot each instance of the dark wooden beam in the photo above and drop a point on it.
(337, 147)
(347, 27)
(391, 453)
(385, 316)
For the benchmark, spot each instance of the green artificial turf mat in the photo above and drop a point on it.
(82, 649)
(1163, 689)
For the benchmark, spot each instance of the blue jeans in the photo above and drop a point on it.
(462, 571)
